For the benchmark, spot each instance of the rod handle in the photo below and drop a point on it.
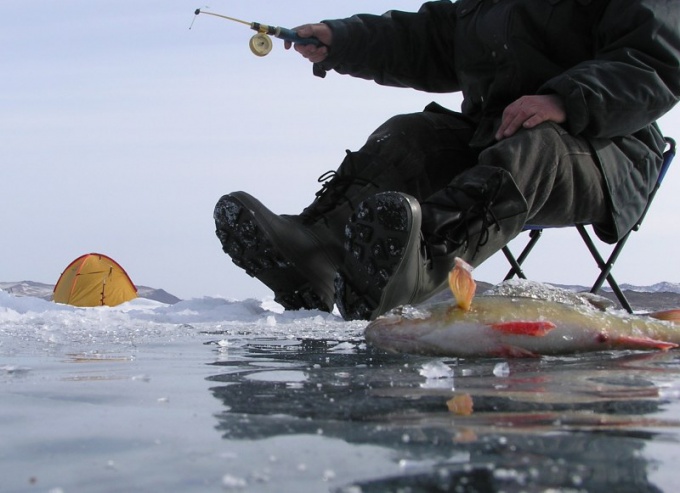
(292, 36)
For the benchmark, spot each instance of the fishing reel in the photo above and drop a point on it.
(261, 43)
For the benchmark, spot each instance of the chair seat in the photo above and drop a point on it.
(605, 266)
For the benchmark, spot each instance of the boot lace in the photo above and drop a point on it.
(482, 211)
(334, 190)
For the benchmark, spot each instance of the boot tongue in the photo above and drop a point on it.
(438, 249)
(438, 226)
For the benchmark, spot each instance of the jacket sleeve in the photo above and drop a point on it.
(634, 77)
(398, 48)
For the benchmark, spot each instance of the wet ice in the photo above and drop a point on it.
(222, 395)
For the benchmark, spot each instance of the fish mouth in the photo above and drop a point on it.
(390, 333)
(384, 333)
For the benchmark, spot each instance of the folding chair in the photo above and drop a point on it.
(535, 233)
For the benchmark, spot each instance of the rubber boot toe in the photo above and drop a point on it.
(383, 263)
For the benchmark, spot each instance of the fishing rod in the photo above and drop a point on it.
(261, 43)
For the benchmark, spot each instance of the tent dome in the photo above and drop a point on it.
(94, 280)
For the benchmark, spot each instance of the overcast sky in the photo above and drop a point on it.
(121, 128)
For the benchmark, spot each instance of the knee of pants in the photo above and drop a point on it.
(528, 151)
(399, 132)
(398, 146)
(556, 172)
(426, 142)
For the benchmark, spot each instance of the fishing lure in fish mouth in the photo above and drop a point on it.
(516, 325)
(261, 43)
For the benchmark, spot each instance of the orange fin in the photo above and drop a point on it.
(462, 284)
(668, 315)
(525, 328)
(514, 352)
(631, 342)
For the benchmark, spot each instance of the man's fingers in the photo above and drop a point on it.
(530, 111)
(314, 54)
(513, 118)
(305, 31)
(534, 120)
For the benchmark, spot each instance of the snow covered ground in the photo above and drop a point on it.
(26, 321)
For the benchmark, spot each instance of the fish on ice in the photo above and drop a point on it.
(518, 323)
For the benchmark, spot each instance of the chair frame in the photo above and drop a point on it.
(535, 233)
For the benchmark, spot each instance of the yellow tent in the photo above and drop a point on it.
(94, 280)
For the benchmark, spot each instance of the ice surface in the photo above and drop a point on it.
(218, 395)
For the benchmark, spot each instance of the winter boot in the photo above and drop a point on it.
(384, 259)
(360, 175)
(401, 253)
(297, 256)
(278, 250)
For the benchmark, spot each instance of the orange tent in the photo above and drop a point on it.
(94, 280)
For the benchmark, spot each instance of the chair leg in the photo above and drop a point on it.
(516, 264)
(606, 267)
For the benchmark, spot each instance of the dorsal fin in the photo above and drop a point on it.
(631, 342)
(667, 315)
(462, 284)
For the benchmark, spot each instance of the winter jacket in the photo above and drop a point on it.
(614, 63)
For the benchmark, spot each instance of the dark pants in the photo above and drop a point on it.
(557, 173)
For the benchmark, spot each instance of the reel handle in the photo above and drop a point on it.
(293, 37)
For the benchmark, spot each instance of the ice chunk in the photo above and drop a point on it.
(438, 375)
(501, 370)
(436, 369)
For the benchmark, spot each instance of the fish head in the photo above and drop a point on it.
(422, 329)
(399, 327)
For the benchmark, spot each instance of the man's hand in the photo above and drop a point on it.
(314, 54)
(529, 111)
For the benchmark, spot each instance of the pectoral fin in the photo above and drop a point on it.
(513, 352)
(525, 328)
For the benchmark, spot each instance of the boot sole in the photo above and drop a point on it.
(251, 248)
(377, 238)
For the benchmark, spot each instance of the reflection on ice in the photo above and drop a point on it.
(570, 423)
(278, 376)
